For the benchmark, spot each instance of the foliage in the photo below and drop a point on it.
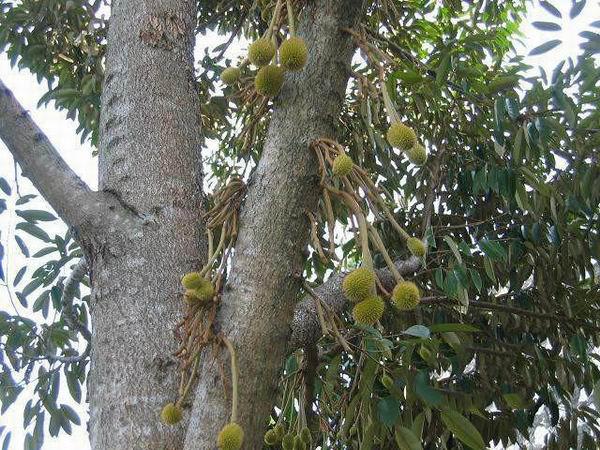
(506, 202)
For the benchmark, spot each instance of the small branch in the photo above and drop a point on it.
(77, 274)
(70, 197)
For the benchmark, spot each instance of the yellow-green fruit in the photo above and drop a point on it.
(170, 414)
(417, 155)
(401, 136)
(406, 295)
(279, 431)
(416, 246)
(299, 443)
(192, 280)
(369, 311)
(230, 437)
(388, 382)
(293, 54)
(231, 75)
(288, 442)
(269, 80)
(358, 284)
(202, 294)
(261, 52)
(305, 435)
(271, 438)
(342, 165)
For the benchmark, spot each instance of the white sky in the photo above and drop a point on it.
(61, 133)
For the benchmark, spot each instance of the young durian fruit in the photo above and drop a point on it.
(192, 280)
(388, 382)
(299, 443)
(293, 54)
(358, 284)
(230, 437)
(287, 443)
(171, 414)
(305, 435)
(401, 136)
(369, 311)
(417, 155)
(406, 296)
(271, 438)
(342, 165)
(231, 75)
(269, 80)
(261, 52)
(416, 246)
(202, 294)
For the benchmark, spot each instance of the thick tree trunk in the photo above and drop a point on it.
(150, 160)
(261, 292)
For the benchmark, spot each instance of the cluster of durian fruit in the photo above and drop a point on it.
(277, 436)
(360, 289)
(292, 53)
(403, 137)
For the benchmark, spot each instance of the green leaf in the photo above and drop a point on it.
(577, 8)
(33, 215)
(4, 186)
(443, 69)
(455, 327)
(546, 26)
(406, 439)
(33, 230)
(550, 8)
(476, 278)
(388, 410)
(462, 429)
(22, 246)
(546, 47)
(418, 331)
(448, 240)
(425, 391)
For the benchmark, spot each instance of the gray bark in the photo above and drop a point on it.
(261, 292)
(150, 160)
(306, 329)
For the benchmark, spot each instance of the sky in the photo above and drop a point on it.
(61, 132)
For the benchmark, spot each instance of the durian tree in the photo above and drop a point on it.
(377, 229)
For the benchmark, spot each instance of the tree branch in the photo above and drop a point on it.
(306, 329)
(70, 197)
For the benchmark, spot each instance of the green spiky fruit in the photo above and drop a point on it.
(299, 443)
(416, 246)
(271, 438)
(342, 165)
(401, 136)
(230, 437)
(287, 442)
(171, 414)
(279, 431)
(305, 435)
(369, 311)
(261, 52)
(231, 75)
(406, 295)
(192, 280)
(358, 284)
(202, 294)
(293, 54)
(417, 155)
(388, 382)
(269, 80)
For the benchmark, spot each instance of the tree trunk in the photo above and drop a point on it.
(150, 160)
(263, 286)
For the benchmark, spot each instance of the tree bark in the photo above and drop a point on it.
(259, 298)
(150, 160)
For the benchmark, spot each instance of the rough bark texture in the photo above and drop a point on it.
(260, 295)
(150, 160)
(306, 329)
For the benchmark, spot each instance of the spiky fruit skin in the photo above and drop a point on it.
(261, 52)
(269, 80)
(358, 284)
(342, 165)
(170, 414)
(416, 246)
(271, 438)
(417, 155)
(287, 442)
(369, 311)
(299, 443)
(192, 280)
(230, 437)
(406, 296)
(305, 435)
(231, 75)
(293, 54)
(202, 294)
(401, 136)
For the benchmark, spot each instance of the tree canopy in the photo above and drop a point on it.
(504, 195)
